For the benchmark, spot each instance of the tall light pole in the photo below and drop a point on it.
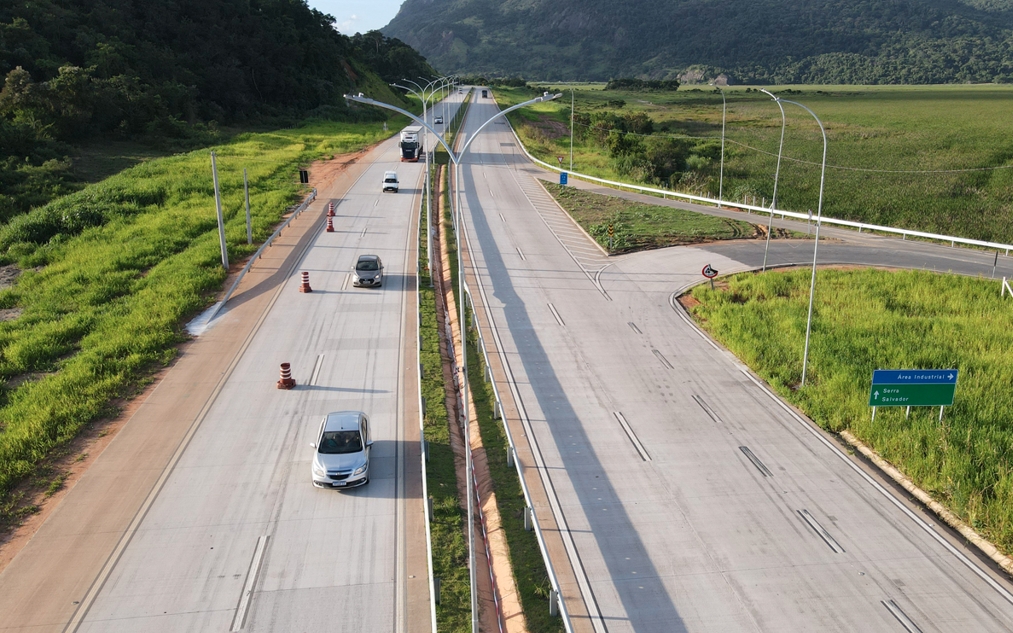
(456, 159)
(571, 129)
(819, 215)
(721, 175)
(777, 171)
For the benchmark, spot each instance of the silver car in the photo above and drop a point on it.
(342, 456)
(368, 271)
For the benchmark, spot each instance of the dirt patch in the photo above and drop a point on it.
(8, 275)
(549, 128)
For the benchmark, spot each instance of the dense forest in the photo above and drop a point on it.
(167, 73)
(749, 41)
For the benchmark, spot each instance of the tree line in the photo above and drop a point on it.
(167, 73)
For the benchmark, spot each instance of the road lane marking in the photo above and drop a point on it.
(821, 531)
(634, 327)
(521, 254)
(501, 217)
(905, 621)
(644, 455)
(316, 369)
(664, 361)
(706, 409)
(756, 461)
(344, 285)
(559, 319)
(251, 580)
(364, 232)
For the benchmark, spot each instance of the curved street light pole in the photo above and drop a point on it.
(429, 195)
(777, 171)
(456, 159)
(816, 245)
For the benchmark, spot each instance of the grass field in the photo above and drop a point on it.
(637, 226)
(875, 319)
(112, 272)
(934, 158)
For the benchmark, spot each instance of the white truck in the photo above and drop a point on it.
(411, 143)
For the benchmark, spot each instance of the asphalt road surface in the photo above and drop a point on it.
(690, 498)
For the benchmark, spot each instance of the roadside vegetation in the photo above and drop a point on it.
(876, 319)
(930, 158)
(637, 226)
(111, 273)
(448, 521)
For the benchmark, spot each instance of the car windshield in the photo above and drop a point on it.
(337, 442)
(390, 180)
(367, 264)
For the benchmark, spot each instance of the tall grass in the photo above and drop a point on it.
(112, 272)
(874, 319)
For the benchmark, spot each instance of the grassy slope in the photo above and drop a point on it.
(638, 226)
(874, 319)
(101, 310)
(888, 128)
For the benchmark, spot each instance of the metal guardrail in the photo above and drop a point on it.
(905, 233)
(302, 207)
(498, 413)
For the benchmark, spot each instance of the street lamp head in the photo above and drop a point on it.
(769, 94)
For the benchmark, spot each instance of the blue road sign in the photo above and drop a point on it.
(562, 177)
(914, 377)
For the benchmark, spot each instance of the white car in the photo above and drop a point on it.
(438, 121)
(390, 182)
(341, 459)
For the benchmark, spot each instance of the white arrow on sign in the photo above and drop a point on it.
(950, 376)
(875, 395)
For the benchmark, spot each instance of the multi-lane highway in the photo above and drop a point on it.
(214, 524)
(688, 497)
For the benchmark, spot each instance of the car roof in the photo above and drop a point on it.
(389, 173)
(343, 421)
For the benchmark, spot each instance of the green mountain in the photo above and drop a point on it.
(750, 41)
(168, 73)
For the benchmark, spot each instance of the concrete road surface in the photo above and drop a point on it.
(231, 534)
(690, 498)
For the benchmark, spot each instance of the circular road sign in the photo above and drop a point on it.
(708, 272)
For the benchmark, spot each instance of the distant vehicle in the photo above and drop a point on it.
(368, 271)
(411, 143)
(342, 456)
(485, 94)
(438, 121)
(390, 182)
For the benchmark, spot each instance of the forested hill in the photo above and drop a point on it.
(751, 41)
(163, 71)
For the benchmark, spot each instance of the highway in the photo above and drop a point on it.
(688, 497)
(231, 534)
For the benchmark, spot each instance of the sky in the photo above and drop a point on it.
(358, 16)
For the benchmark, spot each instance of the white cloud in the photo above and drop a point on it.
(347, 25)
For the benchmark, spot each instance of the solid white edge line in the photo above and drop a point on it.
(521, 253)
(808, 426)
(251, 580)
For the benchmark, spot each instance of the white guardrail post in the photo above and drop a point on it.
(1005, 288)
(905, 233)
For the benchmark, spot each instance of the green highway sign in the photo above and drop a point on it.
(913, 387)
(912, 395)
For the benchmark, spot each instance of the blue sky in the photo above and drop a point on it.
(358, 16)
